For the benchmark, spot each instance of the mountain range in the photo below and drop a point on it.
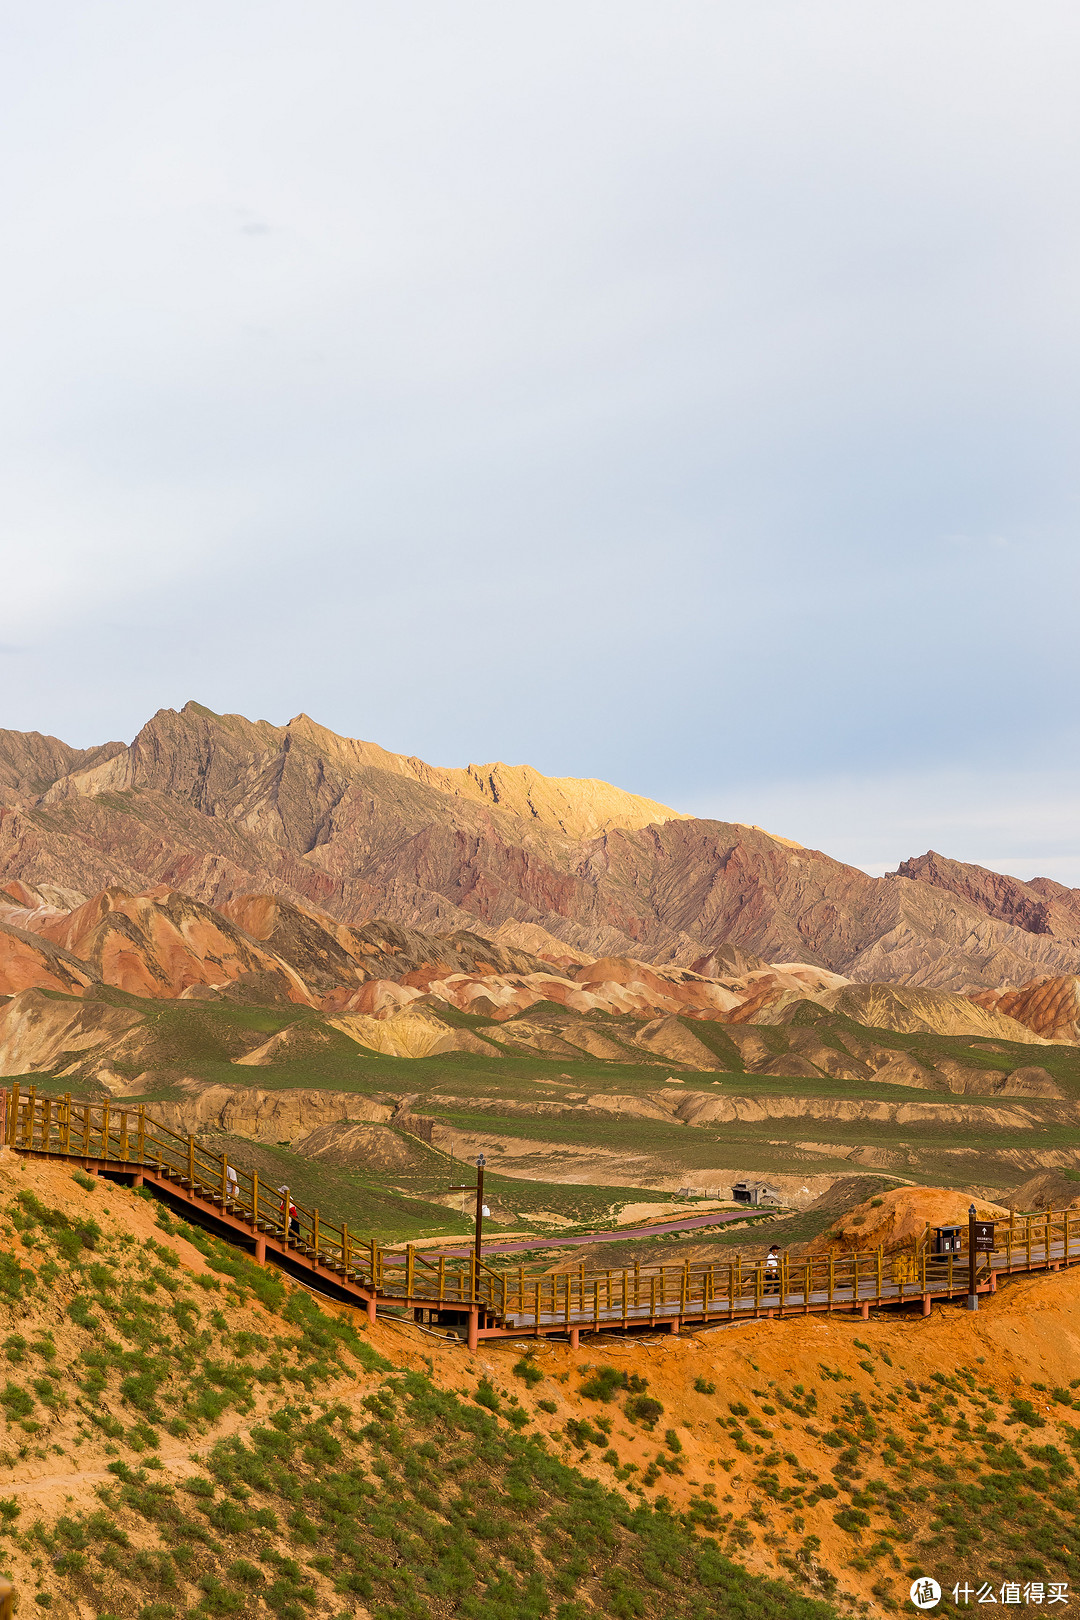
(218, 808)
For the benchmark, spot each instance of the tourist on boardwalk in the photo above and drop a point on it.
(294, 1219)
(772, 1270)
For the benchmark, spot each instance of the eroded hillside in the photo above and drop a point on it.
(220, 807)
(579, 1113)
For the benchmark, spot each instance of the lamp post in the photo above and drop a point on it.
(479, 1191)
(973, 1298)
(481, 1161)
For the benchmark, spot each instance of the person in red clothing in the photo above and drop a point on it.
(294, 1220)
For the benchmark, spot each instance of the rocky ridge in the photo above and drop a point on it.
(220, 807)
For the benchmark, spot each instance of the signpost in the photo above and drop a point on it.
(980, 1241)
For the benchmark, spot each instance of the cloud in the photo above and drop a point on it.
(683, 396)
(1006, 819)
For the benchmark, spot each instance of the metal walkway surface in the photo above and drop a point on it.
(477, 1301)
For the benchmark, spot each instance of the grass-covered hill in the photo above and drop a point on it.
(183, 1434)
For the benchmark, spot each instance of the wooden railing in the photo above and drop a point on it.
(128, 1138)
(106, 1134)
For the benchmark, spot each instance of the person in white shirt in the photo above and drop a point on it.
(772, 1270)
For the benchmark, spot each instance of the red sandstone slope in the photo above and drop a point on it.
(219, 807)
(1039, 907)
(164, 945)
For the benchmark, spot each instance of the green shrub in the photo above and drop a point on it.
(703, 1387)
(245, 1573)
(527, 1370)
(604, 1385)
(643, 1409)
(486, 1395)
(15, 1401)
(852, 1519)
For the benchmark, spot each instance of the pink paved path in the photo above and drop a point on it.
(689, 1223)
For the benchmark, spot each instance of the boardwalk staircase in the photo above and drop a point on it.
(473, 1300)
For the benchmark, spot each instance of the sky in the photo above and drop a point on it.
(680, 395)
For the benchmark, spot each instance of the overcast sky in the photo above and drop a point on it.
(683, 394)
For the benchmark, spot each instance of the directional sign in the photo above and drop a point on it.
(984, 1236)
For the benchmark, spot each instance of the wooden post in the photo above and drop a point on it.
(46, 1123)
(7, 1599)
(86, 1130)
(105, 1131)
(346, 1260)
(536, 1309)
(409, 1263)
(142, 1132)
(191, 1162)
(255, 1201)
(124, 1136)
(31, 1112)
(832, 1279)
(13, 1121)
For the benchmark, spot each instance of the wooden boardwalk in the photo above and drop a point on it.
(474, 1299)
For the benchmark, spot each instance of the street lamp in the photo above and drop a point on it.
(479, 1190)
